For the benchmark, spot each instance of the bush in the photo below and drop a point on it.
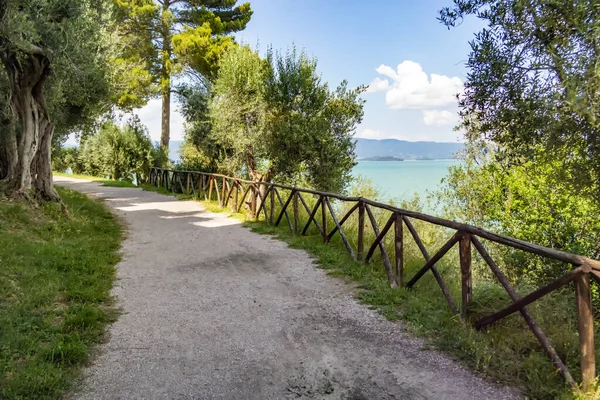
(119, 153)
(65, 158)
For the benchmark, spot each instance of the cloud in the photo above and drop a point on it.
(412, 89)
(151, 116)
(378, 85)
(440, 118)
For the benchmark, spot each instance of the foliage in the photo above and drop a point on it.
(171, 37)
(526, 202)
(534, 81)
(57, 272)
(238, 113)
(310, 128)
(56, 74)
(66, 157)
(276, 118)
(119, 153)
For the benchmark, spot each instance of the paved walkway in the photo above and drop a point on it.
(214, 311)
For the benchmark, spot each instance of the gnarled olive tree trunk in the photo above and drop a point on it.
(29, 168)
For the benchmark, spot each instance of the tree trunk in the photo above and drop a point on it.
(166, 83)
(43, 165)
(8, 152)
(166, 115)
(30, 164)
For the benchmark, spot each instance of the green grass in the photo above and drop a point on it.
(506, 351)
(105, 182)
(56, 275)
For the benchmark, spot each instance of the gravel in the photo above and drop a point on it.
(212, 310)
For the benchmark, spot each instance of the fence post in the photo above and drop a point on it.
(586, 331)
(235, 195)
(222, 193)
(465, 271)
(361, 229)
(253, 202)
(296, 215)
(324, 216)
(210, 187)
(272, 210)
(399, 248)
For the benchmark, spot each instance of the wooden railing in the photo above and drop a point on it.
(265, 198)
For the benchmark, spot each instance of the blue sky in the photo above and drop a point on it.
(418, 63)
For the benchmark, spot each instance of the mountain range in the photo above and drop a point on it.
(372, 148)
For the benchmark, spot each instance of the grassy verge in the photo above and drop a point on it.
(56, 275)
(506, 351)
(105, 182)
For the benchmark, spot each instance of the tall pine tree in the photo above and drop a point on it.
(172, 36)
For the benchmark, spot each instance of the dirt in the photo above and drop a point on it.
(212, 310)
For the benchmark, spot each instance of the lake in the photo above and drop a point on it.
(400, 180)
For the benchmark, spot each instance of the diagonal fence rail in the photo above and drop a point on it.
(264, 198)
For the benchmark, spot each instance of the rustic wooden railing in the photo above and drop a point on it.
(256, 197)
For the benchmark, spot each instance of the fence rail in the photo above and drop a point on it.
(263, 198)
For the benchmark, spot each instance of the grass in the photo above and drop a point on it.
(506, 351)
(57, 272)
(105, 182)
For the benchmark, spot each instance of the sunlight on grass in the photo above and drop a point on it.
(55, 281)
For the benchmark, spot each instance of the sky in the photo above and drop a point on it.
(414, 65)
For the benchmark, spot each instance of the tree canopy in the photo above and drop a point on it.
(55, 78)
(167, 37)
(533, 83)
(274, 117)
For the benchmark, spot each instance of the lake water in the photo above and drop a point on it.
(400, 180)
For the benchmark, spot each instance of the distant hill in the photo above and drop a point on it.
(382, 158)
(370, 148)
(386, 149)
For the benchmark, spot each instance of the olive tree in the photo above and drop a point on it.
(533, 83)
(276, 118)
(52, 54)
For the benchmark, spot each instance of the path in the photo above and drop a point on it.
(214, 311)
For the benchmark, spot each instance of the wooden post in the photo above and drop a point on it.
(210, 187)
(465, 271)
(235, 196)
(253, 202)
(187, 188)
(272, 210)
(222, 203)
(399, 242)
(324, 216)
(361, 229)
(586, 331)
(296, 212)
(201, 186)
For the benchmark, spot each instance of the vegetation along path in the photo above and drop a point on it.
(212, 310)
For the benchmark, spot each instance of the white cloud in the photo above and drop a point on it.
(440, 118)
(378, 85)
(412, 89)
(151, 116)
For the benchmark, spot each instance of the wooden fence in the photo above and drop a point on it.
(258, 197)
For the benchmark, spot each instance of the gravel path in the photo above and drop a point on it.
(214, 311)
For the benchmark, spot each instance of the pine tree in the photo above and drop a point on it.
(177, 36)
